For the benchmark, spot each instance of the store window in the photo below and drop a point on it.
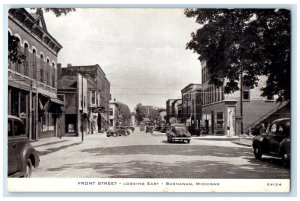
(246, 93)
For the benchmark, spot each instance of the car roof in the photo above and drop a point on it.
(14, 117)
(280, 120)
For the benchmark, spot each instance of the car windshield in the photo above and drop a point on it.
(179, 130)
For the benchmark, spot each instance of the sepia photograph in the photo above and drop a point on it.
(149, 99)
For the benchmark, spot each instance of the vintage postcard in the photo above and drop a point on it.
(149, 99)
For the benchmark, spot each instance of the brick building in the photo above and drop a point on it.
(191, 105)
(32, 89)
(99, 91)
(113, 114)
(221, 112)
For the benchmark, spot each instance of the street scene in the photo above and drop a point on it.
(146, 155)
(149, 93)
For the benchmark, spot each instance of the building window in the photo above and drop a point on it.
(33, 64)
(111, 112)
(246, 93)
(41, 68)
(53, 75)
(93, 97)
(111, 122)
(26, 63)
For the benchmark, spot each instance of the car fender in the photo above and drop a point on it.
(285, 145)
(257, 141)
(30, 152)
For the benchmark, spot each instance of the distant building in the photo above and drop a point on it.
(221, 112)
(177, 110)
(32, 85)
(170, 118)
(73, 90)
(191, 105)
(101, 92)
(113, 114)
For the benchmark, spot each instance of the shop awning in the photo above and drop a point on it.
(57, 101)
(103, 116)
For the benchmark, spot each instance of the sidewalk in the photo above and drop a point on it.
(53, 144)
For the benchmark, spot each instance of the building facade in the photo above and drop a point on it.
(100, 93)
(221, 112)
(113, 115)
(191, 105)
(32, 85)
(177, 111)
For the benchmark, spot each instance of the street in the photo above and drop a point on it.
(145, 155)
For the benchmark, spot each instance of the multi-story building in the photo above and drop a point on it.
(170, 118)
(102, 89)
(191, 100)
(32, 88)
(176, 110)
(221, 112)
(113, 114)
(73, 90)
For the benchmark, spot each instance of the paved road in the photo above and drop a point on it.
(142, 155)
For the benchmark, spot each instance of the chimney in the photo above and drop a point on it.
(58, 65)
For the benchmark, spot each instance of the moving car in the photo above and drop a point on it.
(178, 132)
(22, 157)
(275, 141)
(118, 131)
(131, 128)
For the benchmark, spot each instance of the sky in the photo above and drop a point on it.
(141, 50)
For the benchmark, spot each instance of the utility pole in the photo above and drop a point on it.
(241, 99)
(82, 108)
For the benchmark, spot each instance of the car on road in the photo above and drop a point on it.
(165, 128)
(275, 141)
(22, 157)
(149, 129)
(118, 131)
(178, 132)
(142, 127)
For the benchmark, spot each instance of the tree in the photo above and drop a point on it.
(124, 113)
(247, 42)
(140, 112)
(14, 52)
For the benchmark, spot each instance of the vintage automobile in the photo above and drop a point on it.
(275, 141)
(149, 129)
(165, 128)
(178, 132)
(142, 126)
(118, 131)
(131, 128)
(22, 157)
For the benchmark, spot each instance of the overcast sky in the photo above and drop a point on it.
(141, 51)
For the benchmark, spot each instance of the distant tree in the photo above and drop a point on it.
(124, 113)
(140, 112)
(253, 42)
(15, 55)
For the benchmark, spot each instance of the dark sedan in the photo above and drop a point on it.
(118, 131)
(275, 141)
(22, 157)
(178, 132)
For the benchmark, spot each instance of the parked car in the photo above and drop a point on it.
(164, 128)
(275, 141)
(118, 131)
(22, 157)
(178, 132)
(142, 127)
(131, 128)
(149, 129)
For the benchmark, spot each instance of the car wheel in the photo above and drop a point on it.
(188, 141)
(28, 170)
(285, 159)
(257, 153)
(126, 133)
